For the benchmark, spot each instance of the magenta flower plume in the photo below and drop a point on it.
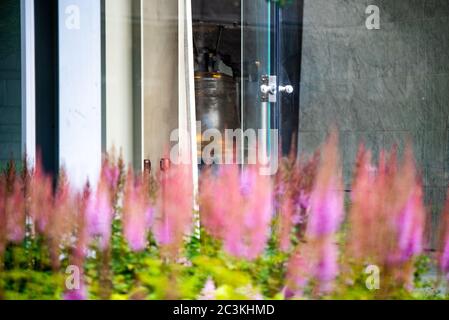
(99, 214)
(236, 207)
(444, 260)
(213, 204)
(326, 211)
(299, 269)
(387, 218)
(410, 226)
(411, 217)
(111, 174)
(364, 213)
(41, 197)
(174, 215)
(15, 214)
(2, 215)
(79, 294)
(257, 192)
(137, 213)
(99, 208)
(234, 231)
(444, 245)
(286, 223)
(209, 291)
(326, 214)
(60, 220)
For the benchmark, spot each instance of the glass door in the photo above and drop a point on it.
(271, 51)
(258, 85)
(242, 79)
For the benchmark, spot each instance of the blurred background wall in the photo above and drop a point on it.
(10, 81)
(379, 86)
(160, 76)
(119, 82)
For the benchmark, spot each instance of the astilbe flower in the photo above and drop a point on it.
(259, 210)
(299, 267)
(444, 242)
(236, 207)
(318, 259)
(174, 209)
(41, 197)
(3, 239)
(387, 215)
(12, 207)
(15, 213)
(137, 212)
(209, 291)
(61, 220)
(79, 294)
(294, 183)
(287, 179)
(99, 208)
(80, 229)
(213, 204)
(230, 189)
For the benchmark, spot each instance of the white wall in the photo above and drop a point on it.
(119, 77)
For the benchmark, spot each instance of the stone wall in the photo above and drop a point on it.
(379, 86)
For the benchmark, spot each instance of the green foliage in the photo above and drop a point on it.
(28, 273)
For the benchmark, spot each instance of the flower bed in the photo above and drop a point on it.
(297, 235)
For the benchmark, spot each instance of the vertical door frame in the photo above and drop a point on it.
(138, 84)
(186, 94)
(28, 80)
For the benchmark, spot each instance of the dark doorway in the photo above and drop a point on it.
(46, 44)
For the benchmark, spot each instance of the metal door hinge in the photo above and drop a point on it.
(268, 88)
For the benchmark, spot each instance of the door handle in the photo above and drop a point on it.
(287, 89)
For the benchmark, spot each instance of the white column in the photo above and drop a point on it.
(186, 85)
(80, 92)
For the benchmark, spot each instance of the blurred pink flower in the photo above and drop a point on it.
(299, 270)
(76, 294)
(15, 214)
(99, 215)
(208, 292)
(137, 213)
(111, 173)
(326, 213)
(258, 209)
(326, 210)
(41, 197)
(410, 226)
(444, 256)
(174, 211)
(444, 260)
(237, 208)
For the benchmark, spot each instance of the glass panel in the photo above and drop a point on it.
(288, 66)
(258, 34)
(232, 51)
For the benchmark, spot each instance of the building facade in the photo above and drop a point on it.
(80, 77)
